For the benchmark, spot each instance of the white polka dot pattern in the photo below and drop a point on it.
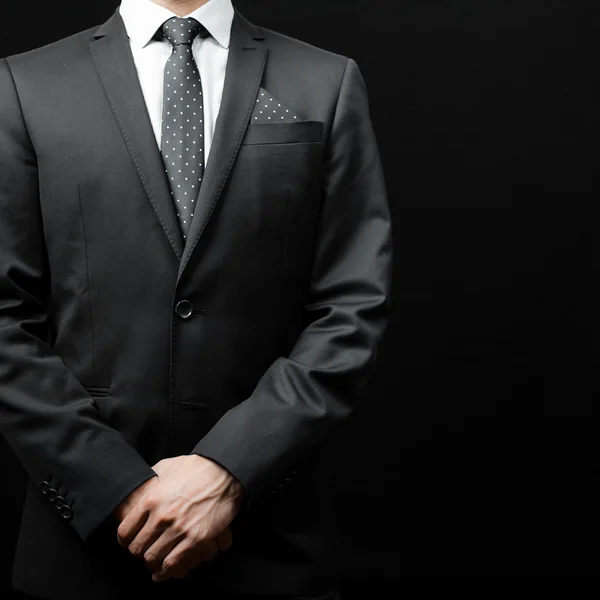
(269, 109)
(182, 133)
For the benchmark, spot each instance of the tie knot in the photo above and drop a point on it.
(180, 30)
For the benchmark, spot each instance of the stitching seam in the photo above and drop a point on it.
(89, 287)
(225, 176)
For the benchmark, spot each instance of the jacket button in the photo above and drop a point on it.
(51, 494)
(44, 486)
(59, 501)
(66, 511)
(184, 309)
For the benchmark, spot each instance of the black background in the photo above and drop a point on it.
(473, 460)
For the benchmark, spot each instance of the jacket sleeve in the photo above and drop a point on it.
(302, 397)
(46, 416)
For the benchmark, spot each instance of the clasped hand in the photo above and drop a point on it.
(180, 518)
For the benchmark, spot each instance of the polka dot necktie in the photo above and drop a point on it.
(182, 134)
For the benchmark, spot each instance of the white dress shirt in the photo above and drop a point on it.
(142, 18)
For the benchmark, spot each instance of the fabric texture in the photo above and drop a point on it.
(271, 110)
(250, 342)
(182, 143)
(150, 51)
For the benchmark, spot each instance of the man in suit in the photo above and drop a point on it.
(195, 272)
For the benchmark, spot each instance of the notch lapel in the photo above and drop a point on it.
(245, 65)
(114, 62)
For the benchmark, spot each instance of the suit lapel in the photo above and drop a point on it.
(245, 66)
(114, 62)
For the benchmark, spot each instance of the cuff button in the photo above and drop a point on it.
(59, 501)
(51, 494)
(44, 486)
(66, 512)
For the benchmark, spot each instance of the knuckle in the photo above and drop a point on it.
(161, 522)
(185, 531)
(149, 503)
(178, 526)
(164, 519)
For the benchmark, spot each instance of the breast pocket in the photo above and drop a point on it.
(284, 133)
(278, 168)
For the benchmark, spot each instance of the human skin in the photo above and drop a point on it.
(181, 7)
(180, 518)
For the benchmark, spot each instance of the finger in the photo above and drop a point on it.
(156, 553)
(193, 557)
(131, 524)
(179, 556)
(178, 572)
(160, 576)
(146, 537)
(224, 539)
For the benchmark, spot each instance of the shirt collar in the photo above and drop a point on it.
(142, 18)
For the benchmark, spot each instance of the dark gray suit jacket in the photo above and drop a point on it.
(120, 346)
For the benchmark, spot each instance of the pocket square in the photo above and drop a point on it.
(269, 109)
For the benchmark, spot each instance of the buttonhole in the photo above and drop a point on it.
(98, 391)
(185, 404)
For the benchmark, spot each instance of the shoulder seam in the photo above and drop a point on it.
(337, 102)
